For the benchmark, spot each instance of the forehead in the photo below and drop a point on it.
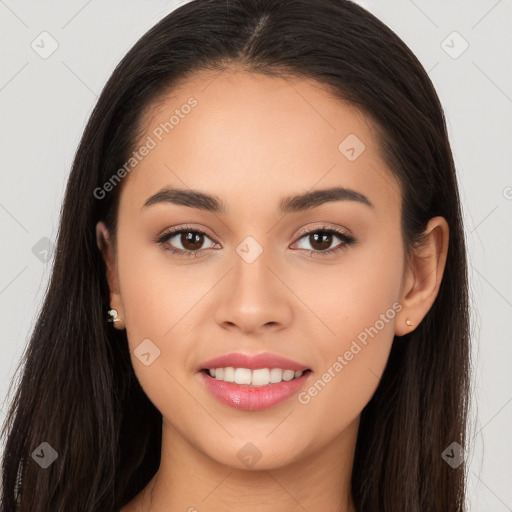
(230, 132)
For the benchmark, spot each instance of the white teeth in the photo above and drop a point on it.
(259, 377)
(243, 376)
(288, 375)
(229, 374)
(276, 375)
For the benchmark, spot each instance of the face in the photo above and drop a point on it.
(318, 282)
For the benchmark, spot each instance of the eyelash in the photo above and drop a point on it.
(345, 238)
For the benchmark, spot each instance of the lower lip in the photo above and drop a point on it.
(253, 398)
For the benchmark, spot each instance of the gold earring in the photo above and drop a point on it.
(113, 315)
(409, 323)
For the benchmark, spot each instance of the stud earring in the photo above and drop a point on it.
(113, 315)
(409, 323)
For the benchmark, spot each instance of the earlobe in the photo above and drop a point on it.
(423, 276)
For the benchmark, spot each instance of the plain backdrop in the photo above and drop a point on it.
(45, 101)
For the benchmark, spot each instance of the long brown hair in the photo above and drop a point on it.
(78, 391)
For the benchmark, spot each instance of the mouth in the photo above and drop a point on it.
(253, 382)
(253, 389)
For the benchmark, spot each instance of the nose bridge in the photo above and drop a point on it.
(251, 273)
(252, 279)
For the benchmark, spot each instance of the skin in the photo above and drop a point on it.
(251, 141)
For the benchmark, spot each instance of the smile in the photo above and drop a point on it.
(253, 390)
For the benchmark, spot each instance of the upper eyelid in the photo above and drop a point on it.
(173, 231)
(339, 231)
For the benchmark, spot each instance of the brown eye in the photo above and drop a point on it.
(185, 241)
(191, 240)
(321, 240)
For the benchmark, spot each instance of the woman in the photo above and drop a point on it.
(259, 295)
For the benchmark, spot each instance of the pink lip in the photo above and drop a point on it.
(253, 362)
(252, 398)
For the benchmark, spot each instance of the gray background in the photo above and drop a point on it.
(45, 103)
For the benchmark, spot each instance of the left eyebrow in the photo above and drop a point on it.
(316, 198)
(297, 203)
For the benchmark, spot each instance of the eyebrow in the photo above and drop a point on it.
(291, 204)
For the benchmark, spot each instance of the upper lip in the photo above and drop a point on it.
(253, 362)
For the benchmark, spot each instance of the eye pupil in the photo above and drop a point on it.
(324, 244)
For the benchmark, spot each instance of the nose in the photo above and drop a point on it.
(253, 298)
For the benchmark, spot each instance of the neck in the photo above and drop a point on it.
(190, 481)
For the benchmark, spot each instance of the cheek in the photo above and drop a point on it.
(359, 305)
(160, 297)
(163, 302)
(353, 294)
(159, 303)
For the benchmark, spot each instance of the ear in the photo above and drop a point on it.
(105, 246)
(423, 276)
